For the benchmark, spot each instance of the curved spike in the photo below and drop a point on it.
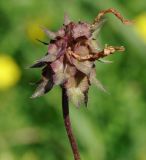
(105, 61)
(66, 19)
(49, 33)
(45, 43)
(96, 82)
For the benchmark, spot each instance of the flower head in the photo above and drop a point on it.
(71, 56)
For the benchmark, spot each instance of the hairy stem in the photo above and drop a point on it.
(65, 109)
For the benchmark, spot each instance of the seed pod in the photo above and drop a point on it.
(71, 56)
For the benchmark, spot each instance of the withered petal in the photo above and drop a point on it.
(52, 49)
(76, 96)
(83, 84)
(81, 30)
(84, 87)
(81, 50)
(58, 71)
(57, 66)
(69, 70)
(45, 84)
(51, 56)
(60, 33)
(48, 58)
(85, 67)
(49, 33)
(58, 78)
(44, 87)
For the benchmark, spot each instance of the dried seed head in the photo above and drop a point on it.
(71, 56)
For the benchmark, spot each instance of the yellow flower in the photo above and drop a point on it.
(140, 25)
(9, 72)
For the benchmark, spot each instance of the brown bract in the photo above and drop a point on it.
(71, 56)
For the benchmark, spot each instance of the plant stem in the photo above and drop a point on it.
(65, 109)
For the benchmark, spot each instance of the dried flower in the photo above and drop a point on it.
(71, 56)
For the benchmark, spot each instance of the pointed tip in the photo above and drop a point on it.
(105, 91)
(38, 64)
(66, 19)
(49, 33)
(32, 97)
(36, 95)
(98, 84)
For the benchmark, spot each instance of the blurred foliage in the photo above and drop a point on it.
(113, 127)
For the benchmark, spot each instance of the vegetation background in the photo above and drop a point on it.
(113, 127)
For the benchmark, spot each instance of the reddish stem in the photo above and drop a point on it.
(65, 109)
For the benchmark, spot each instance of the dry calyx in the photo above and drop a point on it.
(71, 56)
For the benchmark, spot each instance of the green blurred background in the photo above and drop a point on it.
(113, 127)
